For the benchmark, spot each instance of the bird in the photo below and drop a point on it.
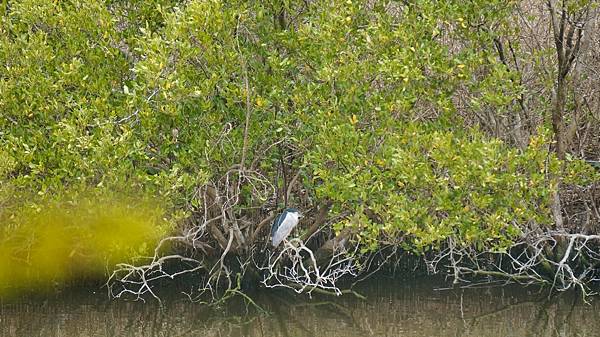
(283, 225)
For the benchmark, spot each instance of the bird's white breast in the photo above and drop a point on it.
(290, 221)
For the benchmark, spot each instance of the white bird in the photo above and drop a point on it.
(283, 225)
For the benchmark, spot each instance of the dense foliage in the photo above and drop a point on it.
(373, 104)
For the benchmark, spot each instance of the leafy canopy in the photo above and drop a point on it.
(152, 97)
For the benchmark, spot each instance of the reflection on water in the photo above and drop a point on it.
(393, 308)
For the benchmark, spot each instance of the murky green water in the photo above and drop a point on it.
(393, 308)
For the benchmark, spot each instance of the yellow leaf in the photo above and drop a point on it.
(260, 102)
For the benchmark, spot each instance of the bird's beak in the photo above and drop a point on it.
(300, 215)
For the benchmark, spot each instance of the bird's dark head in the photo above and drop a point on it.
(293, 210)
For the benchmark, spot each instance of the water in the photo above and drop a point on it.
(394, 307)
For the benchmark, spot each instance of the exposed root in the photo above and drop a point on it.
(558, 259)
(295, 267)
